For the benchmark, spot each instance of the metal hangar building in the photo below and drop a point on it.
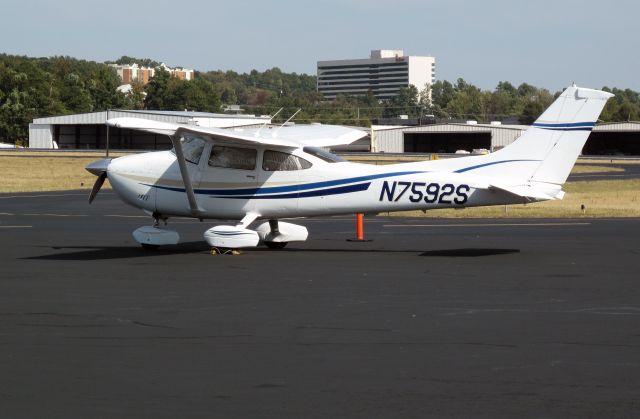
(89, 130)
(618, 138)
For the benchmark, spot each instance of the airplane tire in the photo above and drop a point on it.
(275, 245)
(147, 246)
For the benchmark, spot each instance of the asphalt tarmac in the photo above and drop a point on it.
(629, 171)
(429, 319)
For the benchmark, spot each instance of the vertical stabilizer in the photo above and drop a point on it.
(571, 118)
(556, 139)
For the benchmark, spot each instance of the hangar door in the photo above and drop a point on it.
(438, 142)
(94, 136)
(612, 144)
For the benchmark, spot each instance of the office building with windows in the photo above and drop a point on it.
(132, 72)
(383, 73)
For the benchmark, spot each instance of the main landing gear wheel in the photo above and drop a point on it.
(275, 245)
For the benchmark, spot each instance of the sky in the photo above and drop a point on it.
(546, 43)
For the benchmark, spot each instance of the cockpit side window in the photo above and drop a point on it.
(233, 157)
(192, 148)
(278, 161)
(323, 154)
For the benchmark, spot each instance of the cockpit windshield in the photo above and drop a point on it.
(192, 148)
(323, 154)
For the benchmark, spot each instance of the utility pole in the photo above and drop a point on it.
(107, 154)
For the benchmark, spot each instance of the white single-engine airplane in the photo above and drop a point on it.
(282, 172)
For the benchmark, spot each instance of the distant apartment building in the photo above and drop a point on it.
(383, 73)
(131, 72)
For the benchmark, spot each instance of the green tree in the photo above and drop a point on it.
(502, 102)
(404, 103)
(526, 90)
(228, 96)
(171, 93)
(625, 106)
(157, 90)
(102, 88)
(143, 62)
(442, 92)
(468, 102)
(74, 95)
(531, 112)
(14, 116)
(135, 98)
(25, 93)
(201, 95)
(534, 105)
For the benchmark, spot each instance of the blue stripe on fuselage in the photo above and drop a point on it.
(301, 187)
(297, 190)
(306, 194)
(466, 169)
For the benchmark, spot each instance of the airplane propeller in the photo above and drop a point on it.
(98, 168)
(97, 186)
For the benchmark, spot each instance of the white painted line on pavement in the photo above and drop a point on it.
(489, 225)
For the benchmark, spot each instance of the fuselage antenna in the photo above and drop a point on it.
(266, 122)
(290, 118)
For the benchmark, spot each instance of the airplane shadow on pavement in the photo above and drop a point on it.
(88, 253)
(80, 253)
(469, 252)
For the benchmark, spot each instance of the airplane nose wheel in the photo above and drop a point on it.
(152, 237)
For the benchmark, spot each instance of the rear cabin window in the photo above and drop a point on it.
(279, 161)
(233, 157)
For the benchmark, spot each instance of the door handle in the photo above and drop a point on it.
(251, 176)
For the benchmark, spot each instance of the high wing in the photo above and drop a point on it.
(294, 136)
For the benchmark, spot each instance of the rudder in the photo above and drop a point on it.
(572, 116)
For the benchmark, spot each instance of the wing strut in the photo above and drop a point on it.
(186, 179)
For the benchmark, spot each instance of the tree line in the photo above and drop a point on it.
(39, 87)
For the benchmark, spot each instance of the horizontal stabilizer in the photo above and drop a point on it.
(527, 192)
